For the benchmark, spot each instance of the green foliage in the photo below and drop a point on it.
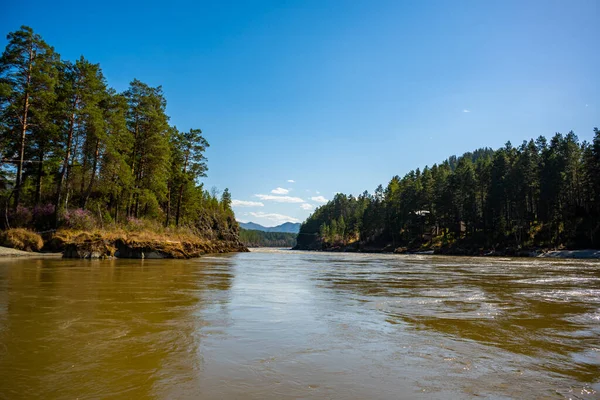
(254, 238)
(94, 155)
(28, 77)
(538, 194)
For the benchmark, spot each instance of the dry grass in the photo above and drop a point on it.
(129, 237)
(176, 243)
(21, 239)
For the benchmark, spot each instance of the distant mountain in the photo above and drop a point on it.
(288, 227)
(252, 226)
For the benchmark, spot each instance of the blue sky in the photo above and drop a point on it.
(339, 96)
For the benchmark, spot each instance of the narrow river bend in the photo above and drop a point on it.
(288, 325)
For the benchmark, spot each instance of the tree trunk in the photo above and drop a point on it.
(168, 221)
(19, 179)
(65, 167)
(93, 177)
(138, 179)
(181, 190)
(83, 168)
(38, 185)
(179, 198)
(136, 209)
(130, 203)
(117, 203)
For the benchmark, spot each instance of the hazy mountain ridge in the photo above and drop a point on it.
(287, 227)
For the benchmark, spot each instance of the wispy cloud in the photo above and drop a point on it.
(319, 199)
(276, 218)
(306, 206)
(280, 191)
(291, 181)
(466, 111)
(243, 203)
(279, 199)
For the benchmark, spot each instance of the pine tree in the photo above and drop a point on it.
(28, 75)
(83, 95)
(149, 158)
(115, 178)
(191, 145)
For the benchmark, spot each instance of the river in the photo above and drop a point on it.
(289, 325)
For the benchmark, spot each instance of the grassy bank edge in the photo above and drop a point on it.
(106, 243)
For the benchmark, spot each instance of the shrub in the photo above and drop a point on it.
(142, 224)
(21, 217)
(43, 217)
(134, 224)
(79, 219)
(21, 239)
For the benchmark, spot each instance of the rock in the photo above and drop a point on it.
(95, 247)
(96, 250)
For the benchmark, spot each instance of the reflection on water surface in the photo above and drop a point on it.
(283, 324)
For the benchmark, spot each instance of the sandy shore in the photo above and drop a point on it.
(8, 252)
(577, 254)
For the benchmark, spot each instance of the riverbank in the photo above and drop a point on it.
(578, 254)
(457, 251)
(143, 244)
(8, 252)
(117, 243)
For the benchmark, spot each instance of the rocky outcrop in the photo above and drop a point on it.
(174, 249)
(143, 246)
(89, 250)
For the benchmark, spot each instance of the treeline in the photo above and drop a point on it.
(72, 146)
(254, 238)
(540, 194)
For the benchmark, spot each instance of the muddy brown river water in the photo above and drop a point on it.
(298, 325)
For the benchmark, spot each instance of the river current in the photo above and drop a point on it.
(279, 324)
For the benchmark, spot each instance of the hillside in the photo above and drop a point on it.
(255, 238)
(543, 194)
(288, 227)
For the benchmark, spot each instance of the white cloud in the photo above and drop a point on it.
(291, 181)
(243, 203)
(466, 111)
(306, 206)
(319, 199)
(278, 219)
(280, 191)
(279, 199)
(317, 192)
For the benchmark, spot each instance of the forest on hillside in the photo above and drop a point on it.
(77, 153)
(254, 238)
(541, 194)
